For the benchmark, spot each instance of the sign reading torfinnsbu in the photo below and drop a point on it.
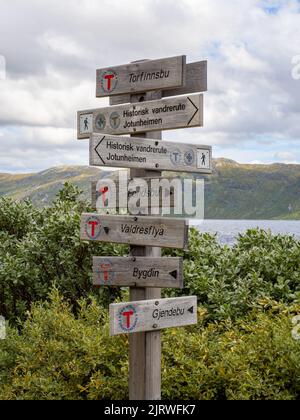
(143, 231)
(165, 114)
(132, 152)
(141, 76)
(152, 315)
(138, 272)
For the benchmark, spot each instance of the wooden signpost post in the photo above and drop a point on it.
(152, 315)
(143, 85)
(165, 114)
(151, 154)
(138, 272)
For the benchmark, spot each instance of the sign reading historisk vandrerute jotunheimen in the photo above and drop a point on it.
(142, 230)
(142, 76)
(133, 152)
(164, 114)
(138, 272)
(152, 315)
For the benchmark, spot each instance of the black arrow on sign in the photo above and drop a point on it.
(174, 274)
(197, 110)
(96, 150)
(191, 310)
(106, 230)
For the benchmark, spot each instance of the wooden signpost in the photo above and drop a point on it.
(138, 272)
(166, 114)
(152, 315)
(151, 154)
(196, 81)
(142, 231)
(143, 76)
(137, 90)
(101, 190)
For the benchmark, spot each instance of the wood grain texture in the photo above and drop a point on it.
(196, 81)
(165, 114)
(152, 315)
(166, 73)
(138, 272)
(135, 152)
(142, 231)
(145, 348)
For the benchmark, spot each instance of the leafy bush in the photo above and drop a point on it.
(230, 282)
(40, 248)
(60, 356)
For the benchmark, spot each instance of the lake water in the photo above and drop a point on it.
(227, 230)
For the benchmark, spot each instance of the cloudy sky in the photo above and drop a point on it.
(52, 48)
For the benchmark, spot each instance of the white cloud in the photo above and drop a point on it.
(52, 58)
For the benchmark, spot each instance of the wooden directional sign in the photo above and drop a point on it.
(165, 114)
(101, 198)
(196, 81)
(144, 231)
(152, 315)
(138, 272)
(141, 76)
(133, 152)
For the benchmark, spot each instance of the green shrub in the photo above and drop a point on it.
(61, 356)
(230, 282)
(41, 247)
(44, 249)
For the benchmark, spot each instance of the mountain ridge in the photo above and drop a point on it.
(233, 191)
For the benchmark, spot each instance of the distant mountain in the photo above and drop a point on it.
(234, 191)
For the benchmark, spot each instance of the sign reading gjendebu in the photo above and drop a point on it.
(141, 76)
(138, 272)
(165, 114)
(144, 231)
(152, 315)
(133, 152)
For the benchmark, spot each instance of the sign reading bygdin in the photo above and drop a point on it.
(141, 76)
(144, 231)
(138, 272)
(133, 152)
(165, 114)
(152, 315)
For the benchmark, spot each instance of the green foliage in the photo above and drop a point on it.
(60, 356)
(254, 359)
(242, 347)
(40, 248)
(230, 282)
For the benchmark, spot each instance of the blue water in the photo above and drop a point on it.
(227, 230)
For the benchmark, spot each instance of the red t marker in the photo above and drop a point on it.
(93, 225)
(103, 192)
(128, 315)
(109, 78)
(105, 268)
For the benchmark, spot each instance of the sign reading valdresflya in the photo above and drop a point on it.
(141, 76)
(165, 114)
(144, 231)
(132, 152)
(152, 315)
